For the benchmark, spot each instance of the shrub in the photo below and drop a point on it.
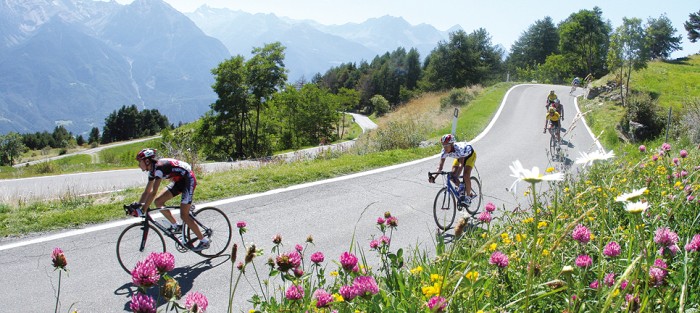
(644, 120)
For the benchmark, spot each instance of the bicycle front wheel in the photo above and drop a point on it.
(473, 208)
(134, 245)
(214, 225)
(444, 209)
(552, 145)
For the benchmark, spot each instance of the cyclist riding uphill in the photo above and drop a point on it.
(553, 117)
(183, 182)
(464, 159)
(552, 98)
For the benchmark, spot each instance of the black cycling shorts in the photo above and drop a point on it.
(185, 186)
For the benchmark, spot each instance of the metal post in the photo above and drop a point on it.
(454, 121)
(668, 122)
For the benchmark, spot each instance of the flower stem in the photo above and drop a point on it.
(58, 293)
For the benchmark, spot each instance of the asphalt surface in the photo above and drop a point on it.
(336, 212)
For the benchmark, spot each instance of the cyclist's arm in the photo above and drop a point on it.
(442, 162)
(150, 193)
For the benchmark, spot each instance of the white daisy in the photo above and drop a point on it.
(530, 176)
(588, 158)
(636, 207)
(632, 196)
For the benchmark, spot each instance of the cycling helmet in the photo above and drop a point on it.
(551, 109)
(146, 153)
(447, 139)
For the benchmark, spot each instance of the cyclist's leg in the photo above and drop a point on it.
(160, 201)
(456, 170)
(468, 166)
(188, 186)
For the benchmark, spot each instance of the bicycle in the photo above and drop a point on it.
(133, 244)
(554, 143)
(446, 205)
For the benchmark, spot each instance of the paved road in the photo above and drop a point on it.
(70, 185)
(331, 211)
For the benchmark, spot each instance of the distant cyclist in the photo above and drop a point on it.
(553, 118)
(183, 182)
(575, 83)
(464, 159)
(551, 97)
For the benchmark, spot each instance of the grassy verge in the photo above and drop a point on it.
(71, 211)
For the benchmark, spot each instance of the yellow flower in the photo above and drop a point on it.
(417, 270)
(338, 298)
(616, 292)
(473, 276)
(435, 277)
(483, 235)
(545, 252)
(480, 311)
(493, 247)
(334, 273)
(591, 218)
(528, 220)
(520, 238)
(592, 236)
(430, 291)
(549, 169)
(251, 311)
(677, 184)
(566, 189)
(542, 224)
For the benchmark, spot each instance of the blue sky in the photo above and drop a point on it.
(505, 20)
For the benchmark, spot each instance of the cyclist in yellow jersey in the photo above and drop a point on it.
(552, 97)
(464, 159)
(553, 117)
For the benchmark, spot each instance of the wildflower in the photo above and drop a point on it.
(323, 298)
(493, 246)
(549, 170)
(666, 147)
(588, 158)
(334, 273)
(392, 222)
(684, 153)
(365, 286)
(250, 254)
(658, 272)
(676, 162)
(164, 262)
(299, 248)
(171, 289)
(337, 297)
(196, 302)
(430, 291)
(490, 207)
(624, 284)
(632, 196)
(241, 224)
(542, 224)
(584, 261)
(437, 304)
(380, 221)
(609, 279)
(636, 207)
(277, 239)
(294, 292)
(473, 276)
(665, 237)
(694, 244)
(240, 266)
(567, 269)
(145, 274)
(581, 234)
(298, 271)
(416, 270)
(287, 261)
(545, 252)
(317, 257)
(347, 292)
(530, 176)
(310, 239)
(234, 253)
(58, 259)
(612, 249)
(642, 148)
(655, 157)
(485, 217)
(141, 303)
(499, 259)
(348, 261)
(594, 284)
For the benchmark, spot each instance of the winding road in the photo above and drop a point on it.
(331, 211)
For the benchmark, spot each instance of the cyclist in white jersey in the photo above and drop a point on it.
(464, 159)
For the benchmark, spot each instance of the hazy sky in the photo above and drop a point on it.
(505, 20)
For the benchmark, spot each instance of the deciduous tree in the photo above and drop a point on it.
(660, 37)
(583, 40)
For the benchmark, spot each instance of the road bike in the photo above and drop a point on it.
(139, 240)
(446, 202)
(554, 143)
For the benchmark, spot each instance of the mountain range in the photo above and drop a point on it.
(72, 62)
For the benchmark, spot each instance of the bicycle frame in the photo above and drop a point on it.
(147, 219)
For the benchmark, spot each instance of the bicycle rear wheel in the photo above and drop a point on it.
(134, 245)
(552, 144)
(216, 226)
(473, 208)
(444, 209)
